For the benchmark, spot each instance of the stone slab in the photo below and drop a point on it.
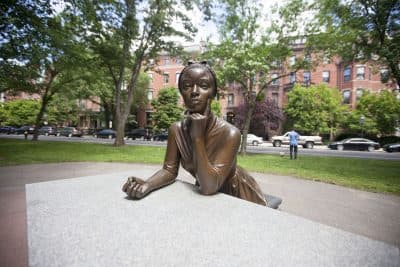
(88, 221)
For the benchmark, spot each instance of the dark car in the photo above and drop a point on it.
(26, 128)
(160, 136)
(8, 129)
(355, 144)
(47, 130)
(139, 134)
(69, 131)
(106, 133)
(392, 147)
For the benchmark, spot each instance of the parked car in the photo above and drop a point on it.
(47, 130)
(139, 133)
(254, 140)
(26, 128)
(160, 136)
(106, 133)
(392, 147)
(69, 131)
(304, 140)
(354, 144)
(8, 129)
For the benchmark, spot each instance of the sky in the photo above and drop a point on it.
(209, 29)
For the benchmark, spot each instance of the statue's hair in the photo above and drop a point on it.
(204, 65)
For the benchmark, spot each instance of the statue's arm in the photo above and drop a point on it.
(212, 175)
(138, 188)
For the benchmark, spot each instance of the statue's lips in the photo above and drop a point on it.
(195, 101)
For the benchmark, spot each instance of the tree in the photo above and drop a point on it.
(38, 51)
(125, 36)
(364, 30)
(266, 113)
(166, 108)
(380, 112)
(19, 112)
(316, 109)
(246, 54)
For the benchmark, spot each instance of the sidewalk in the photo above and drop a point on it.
(372, 215)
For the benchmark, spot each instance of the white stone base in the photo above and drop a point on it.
(88, 221)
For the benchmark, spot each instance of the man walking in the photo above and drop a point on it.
(293, 138)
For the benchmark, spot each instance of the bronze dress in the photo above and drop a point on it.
(180, 151)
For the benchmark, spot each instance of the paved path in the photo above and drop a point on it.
(373, 215)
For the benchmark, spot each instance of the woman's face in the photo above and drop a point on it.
(197, 89)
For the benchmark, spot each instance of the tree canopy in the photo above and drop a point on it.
(166, 108)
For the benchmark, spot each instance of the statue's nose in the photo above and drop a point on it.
(196, 89)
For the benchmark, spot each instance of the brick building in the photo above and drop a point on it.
(350, 78)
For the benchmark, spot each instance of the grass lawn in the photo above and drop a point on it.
(366, 174)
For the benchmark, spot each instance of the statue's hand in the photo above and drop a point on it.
(198, 125)
(136, 187)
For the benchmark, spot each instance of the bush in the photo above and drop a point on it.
(388, 140)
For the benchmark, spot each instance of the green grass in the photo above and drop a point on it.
(365, 174)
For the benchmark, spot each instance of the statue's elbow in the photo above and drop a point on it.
(208, 191)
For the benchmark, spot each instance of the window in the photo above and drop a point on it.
(326, 76)
(346, 96)
(179, 61)
(307, 77)
(166, 78)
(359, 93)
(292, 77)
(292, 60)
(150, 94)
(347, 74)
(384, 75)
(360, 73)
(166, 61)
(231, 100)
(326, 59)
(274, 78)
(307, 58)
(177, 77)
(275, 98)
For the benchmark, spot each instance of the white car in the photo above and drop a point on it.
(254, 140)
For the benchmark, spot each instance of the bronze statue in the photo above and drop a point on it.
(204, 144)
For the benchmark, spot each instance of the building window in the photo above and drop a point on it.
(292, 60)
(166, 61)
(307, 58)
(347, 74)
(384, 75)
(231, 100)
(326, 76)
(292, 77)
(275, 98)
(360, 73)
(346, 96)
(326, 59)
(150, 94)
(307, 77)
(359, 93)
(179, 61)
(177, 77)
(274, 79)
(166, 78)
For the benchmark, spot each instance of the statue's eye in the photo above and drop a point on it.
(204, 85)
(187, 86)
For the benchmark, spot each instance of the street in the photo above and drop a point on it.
(265, 148)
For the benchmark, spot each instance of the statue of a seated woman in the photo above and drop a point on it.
(204, 144)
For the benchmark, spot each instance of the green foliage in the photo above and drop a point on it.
(19, 112)
(316, 109)
(167, 109)
(381, 112)
(216, 108)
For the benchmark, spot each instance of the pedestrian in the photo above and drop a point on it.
(293, 138)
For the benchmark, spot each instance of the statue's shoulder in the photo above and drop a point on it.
(229, 130)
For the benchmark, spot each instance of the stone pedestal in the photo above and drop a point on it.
(88, 221)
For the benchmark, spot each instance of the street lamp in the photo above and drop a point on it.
(362, 121)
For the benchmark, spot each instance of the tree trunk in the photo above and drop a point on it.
(39, 118)
(120, 128)
(249, 115)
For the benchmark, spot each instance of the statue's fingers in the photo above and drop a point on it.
(136, 190)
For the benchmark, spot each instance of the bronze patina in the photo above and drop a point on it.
(205, 145)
